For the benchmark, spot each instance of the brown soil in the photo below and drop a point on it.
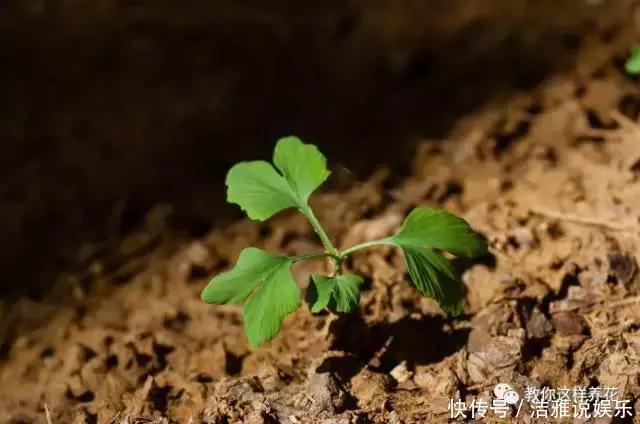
(550, 176)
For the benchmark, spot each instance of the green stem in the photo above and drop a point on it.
(308, 212)
(337, 256)
(310, 256)
(364, 245)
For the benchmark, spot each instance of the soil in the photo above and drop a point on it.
(551, 177)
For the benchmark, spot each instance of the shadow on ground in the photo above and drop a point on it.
(110, 107)
(417, 341)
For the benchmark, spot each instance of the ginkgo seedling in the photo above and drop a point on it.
(262, 281)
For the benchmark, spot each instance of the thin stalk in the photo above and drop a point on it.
(364, 245)
(333, 252)
(310, 256)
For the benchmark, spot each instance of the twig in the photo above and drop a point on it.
(115, 417)
(479, 386)
(47, 414)
(375, 361)
(581, 219)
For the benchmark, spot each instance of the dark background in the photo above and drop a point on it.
(110, 107)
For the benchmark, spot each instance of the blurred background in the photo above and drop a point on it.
(109, 107)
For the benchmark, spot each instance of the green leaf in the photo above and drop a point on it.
(233, 286)
(425, 227)
(261, 191)
(265, 310)
(258, 189)
(302, 165)
(632, 66)
(263, 281)
(434, 276)
(340, 293)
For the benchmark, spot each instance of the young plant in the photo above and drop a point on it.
(262, 280)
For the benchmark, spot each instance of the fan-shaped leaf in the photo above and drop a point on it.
(261, 191)
(263, 281)
(340, 293)
(435, 277)
(425, 227)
